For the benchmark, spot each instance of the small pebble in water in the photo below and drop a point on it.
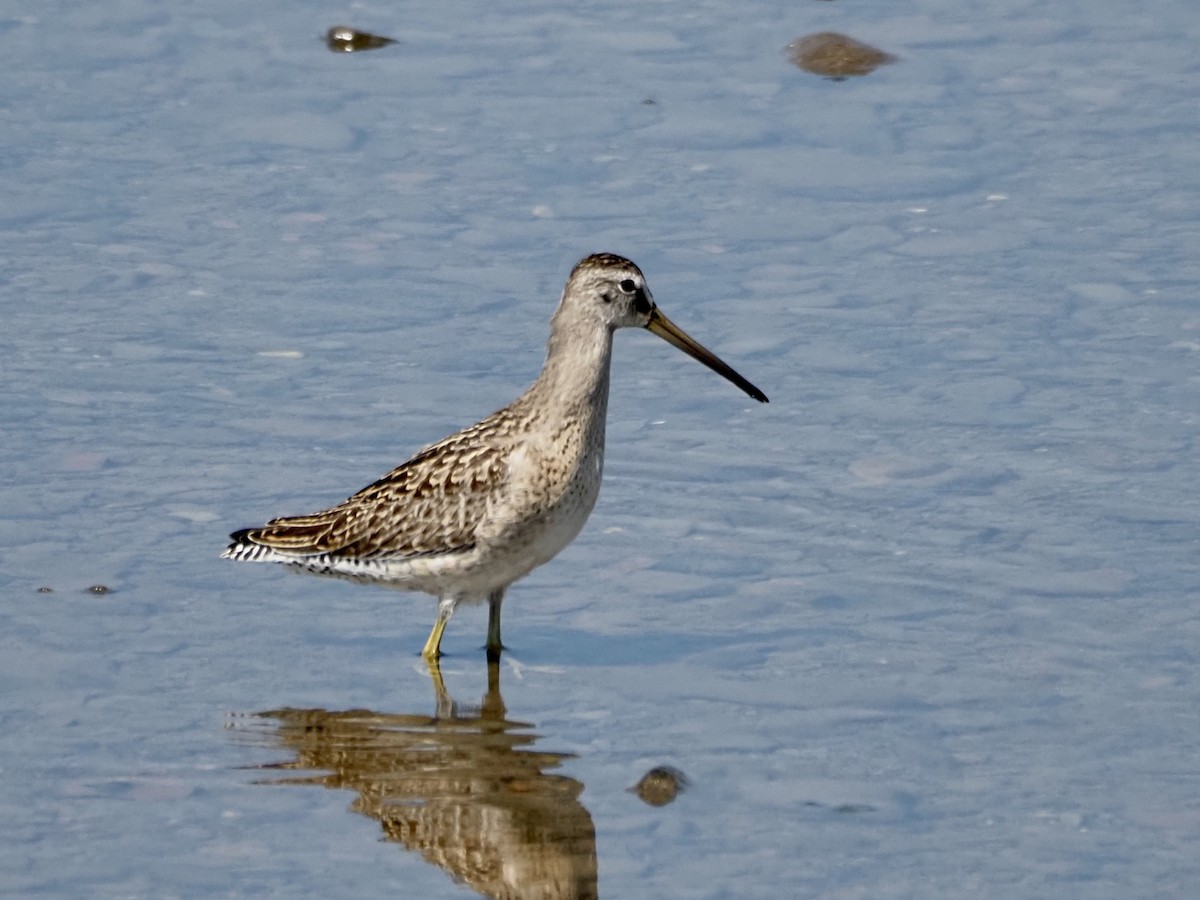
(836, 56)
(660, 785)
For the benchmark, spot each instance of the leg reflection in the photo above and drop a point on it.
(467, 789)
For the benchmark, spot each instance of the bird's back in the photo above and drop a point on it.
(472, 512)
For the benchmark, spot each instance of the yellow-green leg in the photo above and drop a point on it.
(433, 646)
(494, 646)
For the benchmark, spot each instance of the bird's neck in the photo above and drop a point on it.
(575, 376)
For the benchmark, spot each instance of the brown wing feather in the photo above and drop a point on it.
(433, 503)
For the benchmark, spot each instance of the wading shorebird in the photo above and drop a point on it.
(466, 517)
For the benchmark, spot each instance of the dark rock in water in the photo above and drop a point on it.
(343, 39)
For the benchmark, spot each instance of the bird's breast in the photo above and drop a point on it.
(552, 485)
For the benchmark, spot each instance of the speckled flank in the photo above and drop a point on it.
(471, 514)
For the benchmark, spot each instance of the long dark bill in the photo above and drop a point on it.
(677, 337)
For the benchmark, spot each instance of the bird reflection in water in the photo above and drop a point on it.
(465, 788)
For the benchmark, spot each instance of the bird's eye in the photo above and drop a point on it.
(629, 286)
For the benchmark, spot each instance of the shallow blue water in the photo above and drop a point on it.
(924, 625)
